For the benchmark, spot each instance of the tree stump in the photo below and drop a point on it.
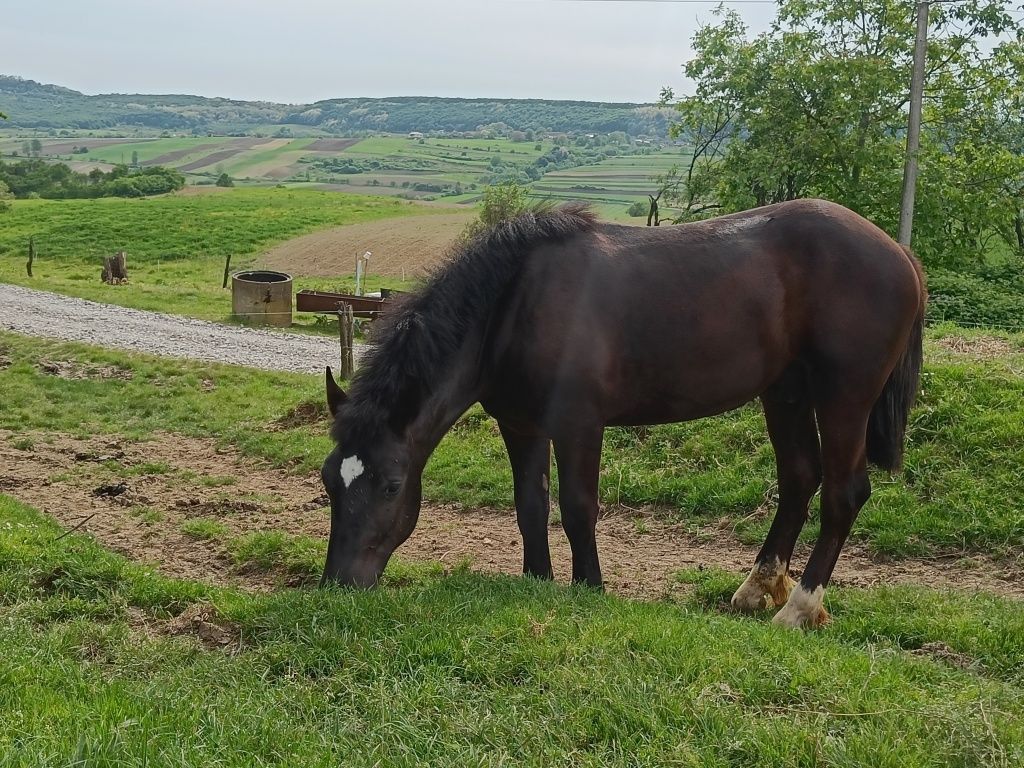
(115, 271)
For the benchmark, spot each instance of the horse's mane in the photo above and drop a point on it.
(412, 346)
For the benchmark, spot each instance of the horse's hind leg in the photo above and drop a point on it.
(844, 491)
(579, 461)
(794, 437)
(530, 457)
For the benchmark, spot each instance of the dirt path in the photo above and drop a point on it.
(40, 313)
(140, 494)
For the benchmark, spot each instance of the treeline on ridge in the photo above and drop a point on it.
(29, 104)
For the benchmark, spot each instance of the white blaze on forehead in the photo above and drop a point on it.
(351, 468)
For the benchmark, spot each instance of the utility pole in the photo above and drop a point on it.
(914, 127)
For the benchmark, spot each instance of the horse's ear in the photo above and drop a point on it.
(335, 396)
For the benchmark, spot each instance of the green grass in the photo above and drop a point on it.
(275, 550)
(960, 492)
(176, 246)
(206, 528)
(471, 670)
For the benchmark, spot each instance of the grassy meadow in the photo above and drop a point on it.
(108, 663)
(176, 245)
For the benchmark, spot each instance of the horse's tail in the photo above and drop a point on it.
(887, 425)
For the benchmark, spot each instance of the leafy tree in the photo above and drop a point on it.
(36, 146)
(225, 181)
(37, 178)
(499, 203)
(135, 158)
(816, 106)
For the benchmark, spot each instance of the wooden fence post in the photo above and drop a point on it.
(227, 271)
(31, 255)
(346, 323)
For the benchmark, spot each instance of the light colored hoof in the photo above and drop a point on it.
(803, 610)
(750, 598)
(767, 586)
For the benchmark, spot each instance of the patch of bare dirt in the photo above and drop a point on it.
(200, 621)
(73, 369)
(205, 189)
(403, 248)
(331, 145)
(939, 651)
(978, 347)
(303, 414)
(172, 479)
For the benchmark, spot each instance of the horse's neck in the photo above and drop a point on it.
(450, 398)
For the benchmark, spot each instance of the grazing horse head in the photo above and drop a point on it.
(375, 499)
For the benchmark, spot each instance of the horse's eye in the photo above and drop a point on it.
(392, 488)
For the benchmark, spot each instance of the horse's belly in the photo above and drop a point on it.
(683, 400)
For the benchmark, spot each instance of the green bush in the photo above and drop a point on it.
(638, 208)
(993, 296)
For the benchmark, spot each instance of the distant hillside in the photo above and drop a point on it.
(29, 104)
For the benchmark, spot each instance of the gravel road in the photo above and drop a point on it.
(40, 313)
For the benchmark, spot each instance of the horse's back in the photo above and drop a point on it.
(672, 323)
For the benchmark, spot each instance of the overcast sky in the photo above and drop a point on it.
(298, 51)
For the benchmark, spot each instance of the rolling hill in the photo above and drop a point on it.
(38, 106)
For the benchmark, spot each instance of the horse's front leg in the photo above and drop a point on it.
(579, 461)
(530, 457)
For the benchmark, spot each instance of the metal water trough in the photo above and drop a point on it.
(325, 301)
(262, 297)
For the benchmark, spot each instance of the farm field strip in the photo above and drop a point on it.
(390, 165)
(267, 155)
(151, 149)
(235, 147)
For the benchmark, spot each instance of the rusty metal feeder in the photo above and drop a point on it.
(262, 297)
